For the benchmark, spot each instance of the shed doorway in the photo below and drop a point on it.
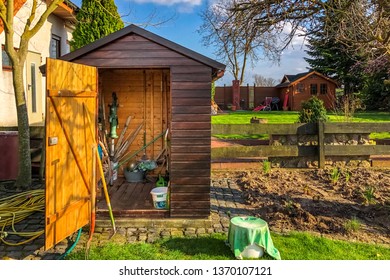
(142, 100)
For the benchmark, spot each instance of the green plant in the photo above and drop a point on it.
(352, 225)
(313, 110)
(266, 167)
(335, 175)
(347, 175)
(144, 165)
(369, 194)
(351, 103)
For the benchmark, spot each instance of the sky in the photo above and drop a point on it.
(182, 28)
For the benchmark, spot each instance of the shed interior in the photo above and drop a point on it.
(144, 96)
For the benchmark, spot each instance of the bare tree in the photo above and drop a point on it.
(236, 46)
(369, 19)
(262, 81)
(17, 56)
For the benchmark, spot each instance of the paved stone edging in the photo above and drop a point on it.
(226, 202)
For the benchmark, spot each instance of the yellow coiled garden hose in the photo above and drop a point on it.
(14, 209)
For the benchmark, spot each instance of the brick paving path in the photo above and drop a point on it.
(226, 202)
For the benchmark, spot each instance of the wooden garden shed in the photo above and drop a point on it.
(298, 88)
(163, 87)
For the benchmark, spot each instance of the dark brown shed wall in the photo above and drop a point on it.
(190, 141)
(190, 127)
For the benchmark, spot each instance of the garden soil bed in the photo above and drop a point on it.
(353, 206)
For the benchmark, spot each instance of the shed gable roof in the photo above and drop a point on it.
(294, 79)
(148, 35)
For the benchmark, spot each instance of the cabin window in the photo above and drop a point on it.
(323, 88)
(300, 87)
(5, 60)
(55, 46)
(313, 89)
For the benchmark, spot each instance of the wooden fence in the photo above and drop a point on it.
(318, 149)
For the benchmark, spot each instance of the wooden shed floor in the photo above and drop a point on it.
(130, 200)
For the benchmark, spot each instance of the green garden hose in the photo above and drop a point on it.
(16, 208)
(71, 247)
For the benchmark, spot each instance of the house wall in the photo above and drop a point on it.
(299, 97)
(39, 44)
(190, 127)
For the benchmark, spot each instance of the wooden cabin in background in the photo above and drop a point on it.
(301, 87)
(292, 91)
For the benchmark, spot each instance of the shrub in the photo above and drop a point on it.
(313, 110)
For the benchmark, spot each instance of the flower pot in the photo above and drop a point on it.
(134, 176)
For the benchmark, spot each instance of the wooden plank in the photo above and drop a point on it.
(190, 213)
(356, 150)
(199, 158)
(191, 77)
(191, 109)
(144, 62)
(191, 101)
(321, 145)
(126, 53)
(135, 46)
(191, 141)
(190, 188)
(188, 93)
(356, 127)
(73, 206)
(191, 118)
(190, 180)
(190, 149)
(194, 69)
(188, 204)
(190, 134)
(71, 93)
(190, 172)
(188, 197)
(195, 196)
(190, 125)
(206, 85)
(138, 195)
(276, 129)
(190, 165)
(263, 151)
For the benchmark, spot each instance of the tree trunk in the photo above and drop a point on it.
(24, 173)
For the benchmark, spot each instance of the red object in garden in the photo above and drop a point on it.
(236, 94)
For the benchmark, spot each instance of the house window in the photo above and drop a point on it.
(55, 46)
(33, 88)
(313, 89)
(5, 60)
(323, 88)
(300, 87)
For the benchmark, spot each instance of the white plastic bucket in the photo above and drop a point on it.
(159, 196)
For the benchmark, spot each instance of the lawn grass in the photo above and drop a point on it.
(294, 246)
(243, 117)
(274, 117)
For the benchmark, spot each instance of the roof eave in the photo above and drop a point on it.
(148, 35)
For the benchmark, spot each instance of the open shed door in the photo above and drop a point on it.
(71, 95)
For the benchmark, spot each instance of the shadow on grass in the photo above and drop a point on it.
(208, 247)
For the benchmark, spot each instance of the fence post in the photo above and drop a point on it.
(321, 144)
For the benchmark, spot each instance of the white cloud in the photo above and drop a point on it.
(182, 6)
(171, 2)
